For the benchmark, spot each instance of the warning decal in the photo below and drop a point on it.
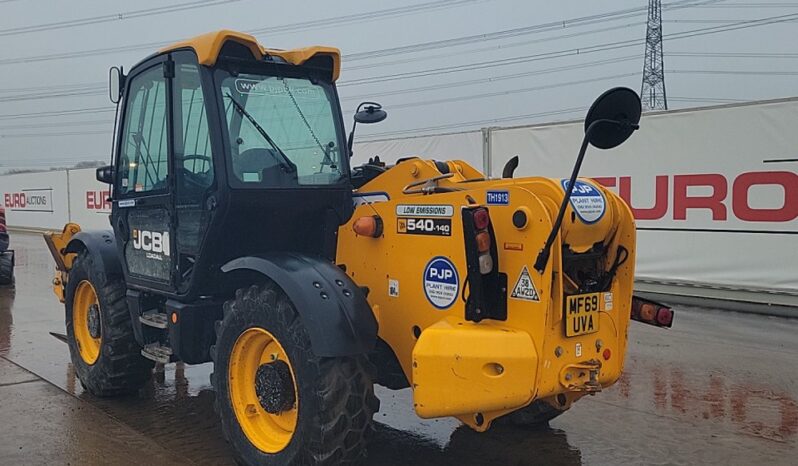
(525, 288)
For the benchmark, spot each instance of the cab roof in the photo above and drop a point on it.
(209, 46)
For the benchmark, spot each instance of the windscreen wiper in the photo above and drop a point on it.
(283, 160)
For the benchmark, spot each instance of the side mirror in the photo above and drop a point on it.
(614, 116)
(366, 113)
(116, 82)
(105, 174)
(371, 112)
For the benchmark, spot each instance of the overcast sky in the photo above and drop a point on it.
(56, 55)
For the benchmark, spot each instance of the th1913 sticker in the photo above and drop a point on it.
(424, 226)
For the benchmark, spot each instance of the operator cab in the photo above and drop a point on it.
(225, 149)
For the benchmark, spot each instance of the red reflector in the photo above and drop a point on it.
(665, 317)
(606, 354)
(483, 241)
(481, 219)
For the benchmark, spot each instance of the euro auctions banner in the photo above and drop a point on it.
(35, 200)
(714, 191)
(89, 203)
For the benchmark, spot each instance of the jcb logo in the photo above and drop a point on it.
(151, 241)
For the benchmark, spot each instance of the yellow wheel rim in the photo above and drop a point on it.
(85, 315)
(268, 432)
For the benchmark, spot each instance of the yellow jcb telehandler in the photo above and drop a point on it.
(239, 234)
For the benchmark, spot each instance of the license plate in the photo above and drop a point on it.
(581, 314)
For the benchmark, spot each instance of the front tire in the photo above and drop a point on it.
(278, 402)
(104, 351)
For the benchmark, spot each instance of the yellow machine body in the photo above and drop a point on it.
(545, 347)
(478, 371)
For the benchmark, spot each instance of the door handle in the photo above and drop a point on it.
(121, 229)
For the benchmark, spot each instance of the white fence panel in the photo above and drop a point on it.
(713, 206)
(88, 200)
(35, 200)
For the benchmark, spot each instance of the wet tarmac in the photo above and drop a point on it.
(718, 388)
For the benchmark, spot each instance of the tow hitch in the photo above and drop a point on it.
(581, 377)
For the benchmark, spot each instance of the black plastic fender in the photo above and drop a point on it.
(332, 307)
(101, 245)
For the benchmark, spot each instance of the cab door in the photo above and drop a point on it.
(143, 213)
(196, 189)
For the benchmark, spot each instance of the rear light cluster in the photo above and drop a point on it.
(650, 312)
(485, 290)
(483, 240)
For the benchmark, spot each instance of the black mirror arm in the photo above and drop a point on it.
(543, 256)
(351, 140)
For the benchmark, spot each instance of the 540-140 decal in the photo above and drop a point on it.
(424, 226)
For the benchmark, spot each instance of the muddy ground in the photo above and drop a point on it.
(720, 388)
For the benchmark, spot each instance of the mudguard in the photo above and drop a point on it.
(332, 307)
(102, 247)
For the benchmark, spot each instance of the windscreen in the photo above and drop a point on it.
(282, 131)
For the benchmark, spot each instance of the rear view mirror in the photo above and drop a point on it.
(366, 113)
(105, 174)
(370, 112)
(116, 82)
(616, 114)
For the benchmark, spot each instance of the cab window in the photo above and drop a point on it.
(192, 145)
(143, 162)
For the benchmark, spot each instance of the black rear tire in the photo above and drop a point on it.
(336, 399)
(537, 414)
(120, 368)
(6, 268)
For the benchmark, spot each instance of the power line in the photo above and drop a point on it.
(736, 72)
(453, 84)
(513, 60)
(702, 21)
(360, 17)
(707, 99)
(393, 107)
(614, 15)
(755, 5)
(495, 47)
(54, 134)
(275, 30)
(509, 92)
(473, 123)
(78, 111)
(732, 55)
(112, 17)
(537, 28)
(58, 125)
(575, 51)
(45, 95)
(50, 87)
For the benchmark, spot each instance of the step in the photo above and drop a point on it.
(154, 319)
(157, 353)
